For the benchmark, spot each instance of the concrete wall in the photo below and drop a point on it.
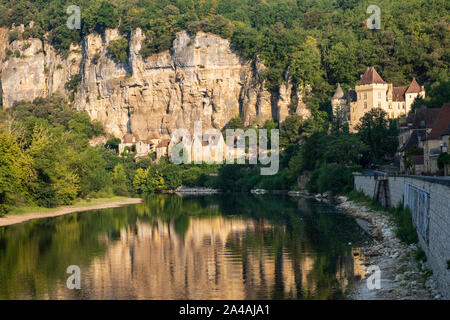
(437, 246)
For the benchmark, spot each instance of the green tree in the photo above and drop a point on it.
(155, 180)
(15, 170)
(344, 149)
(140, 180)
(290, 130)
(172, 176)
(120, 180)
(378, 134)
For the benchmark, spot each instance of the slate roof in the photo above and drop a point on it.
(423, 117)
(413, 141)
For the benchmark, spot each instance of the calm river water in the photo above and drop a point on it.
(171, 247)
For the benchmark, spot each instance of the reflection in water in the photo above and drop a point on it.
(212, 247)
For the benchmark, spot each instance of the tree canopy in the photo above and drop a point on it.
(319, 42)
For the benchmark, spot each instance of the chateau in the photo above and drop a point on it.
(373, 92)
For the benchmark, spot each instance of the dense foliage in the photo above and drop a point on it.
(320, 42)
(46, 158)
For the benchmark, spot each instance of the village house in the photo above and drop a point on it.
(128, 142)
(423, 138)
(437, 141)
(445, 138)
(162, 149)
(142, 147)
(412, 134)
(373, 92)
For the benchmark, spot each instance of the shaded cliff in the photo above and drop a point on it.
(199, 78)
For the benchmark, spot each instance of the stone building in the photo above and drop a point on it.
(162, 149)
(128, 142)
(142, 147)
(412, 136)
(373, 92)
(427, 132)
(437, 141)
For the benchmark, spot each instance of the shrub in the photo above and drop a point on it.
(13, 35)
(404, 227)
(3, 209)
(73, 83)
(119, 49)
(419, 255)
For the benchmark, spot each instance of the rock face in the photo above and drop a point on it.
(199, 78)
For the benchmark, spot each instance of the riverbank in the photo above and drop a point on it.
(21, 215)
(403, 277)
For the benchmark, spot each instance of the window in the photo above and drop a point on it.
(403, 106)
(365, 105)
(379, 104)
(379, 95)
(365, 96)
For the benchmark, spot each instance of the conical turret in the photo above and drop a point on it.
(339, 94)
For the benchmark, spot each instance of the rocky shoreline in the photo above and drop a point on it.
(402, 277)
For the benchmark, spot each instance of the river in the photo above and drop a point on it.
(170, 247)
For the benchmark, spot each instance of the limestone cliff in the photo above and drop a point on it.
(199, 78)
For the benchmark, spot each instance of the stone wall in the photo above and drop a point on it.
(437, 246)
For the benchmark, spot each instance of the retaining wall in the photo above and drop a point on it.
(436, 213)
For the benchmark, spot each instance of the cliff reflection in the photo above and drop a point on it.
(188, 248)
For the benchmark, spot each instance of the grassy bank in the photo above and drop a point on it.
(19, 210)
